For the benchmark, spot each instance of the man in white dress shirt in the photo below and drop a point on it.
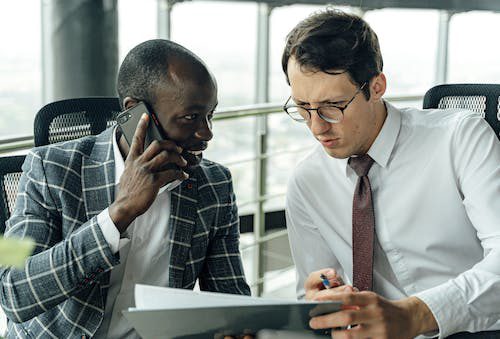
(432, 260)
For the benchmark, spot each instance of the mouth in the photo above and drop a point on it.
(195, 153)
(329, 143)
(193, 156)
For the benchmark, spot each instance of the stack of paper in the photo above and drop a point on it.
(177, 313)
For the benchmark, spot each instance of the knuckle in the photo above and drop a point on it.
(350, 298)
(155, 146)
(164, 155)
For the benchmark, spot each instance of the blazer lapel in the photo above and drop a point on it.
(98, 175)
(182, 221)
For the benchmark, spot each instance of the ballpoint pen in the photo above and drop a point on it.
(325, 281)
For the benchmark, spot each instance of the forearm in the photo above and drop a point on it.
(52, 276)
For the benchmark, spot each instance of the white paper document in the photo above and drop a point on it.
(178, 313)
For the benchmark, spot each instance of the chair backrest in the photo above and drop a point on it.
(481, 98)
(10, 173)
(74, 118)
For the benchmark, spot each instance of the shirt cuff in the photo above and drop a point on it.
(447, 304)
(109, 230)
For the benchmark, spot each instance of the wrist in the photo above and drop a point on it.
(121, 216)
(421, 318)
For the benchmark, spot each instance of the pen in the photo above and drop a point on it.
(325, 281)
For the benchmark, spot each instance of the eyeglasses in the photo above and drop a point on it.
(330, 113)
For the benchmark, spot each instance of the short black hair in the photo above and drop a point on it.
(332, 40)
(145, 69)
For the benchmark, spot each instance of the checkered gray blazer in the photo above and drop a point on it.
(61, 291)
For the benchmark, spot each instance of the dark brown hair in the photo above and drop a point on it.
(335, 42)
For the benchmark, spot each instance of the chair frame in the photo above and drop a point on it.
(490, 91)
(49, 112)
(8, 165)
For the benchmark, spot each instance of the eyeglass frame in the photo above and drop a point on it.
(340, 108)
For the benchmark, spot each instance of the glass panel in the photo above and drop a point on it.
(473, 47)
(20, 67)
(234, 141)
(136, 24)
(409, 51)
(224, 35)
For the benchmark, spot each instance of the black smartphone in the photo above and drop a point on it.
(128, 120)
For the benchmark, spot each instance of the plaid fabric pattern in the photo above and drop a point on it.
(61, 291)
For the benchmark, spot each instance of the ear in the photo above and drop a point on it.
(129, 102)
(378, 86)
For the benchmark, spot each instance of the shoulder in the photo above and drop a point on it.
(438, 120)
(63, 150)
(67, 155)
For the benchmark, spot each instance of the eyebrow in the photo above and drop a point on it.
(326, 101)
(201, 107)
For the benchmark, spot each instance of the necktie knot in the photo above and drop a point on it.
(361, 165)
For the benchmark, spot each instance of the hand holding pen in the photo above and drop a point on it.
(320, 280)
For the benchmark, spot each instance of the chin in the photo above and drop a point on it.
(192, 160)
(337, 153)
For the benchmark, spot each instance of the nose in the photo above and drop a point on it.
(204, 130)
(317, 125)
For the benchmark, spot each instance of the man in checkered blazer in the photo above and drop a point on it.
(106, 215)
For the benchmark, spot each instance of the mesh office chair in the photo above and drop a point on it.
(481, 98)
(74, 118)
(10, 173)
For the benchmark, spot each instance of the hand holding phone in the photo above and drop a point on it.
(129, 119)
(145, 170)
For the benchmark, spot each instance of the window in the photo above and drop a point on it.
(20, 67)
(473, 47)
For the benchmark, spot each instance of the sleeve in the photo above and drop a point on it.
(58, 268)
(223, 269)
(470, 301)
(310, 251)
(110, 232)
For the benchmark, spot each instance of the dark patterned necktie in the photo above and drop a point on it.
(363, 225)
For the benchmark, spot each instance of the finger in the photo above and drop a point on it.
(349, 298)
(311, 293)
(158, 146)
(343, 318)
(171, 175)
(137, 146)
(354, 332)
(161, 161)
(325, 295)
(314, 280)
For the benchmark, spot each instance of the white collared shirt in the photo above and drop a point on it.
(143, 255)
(436, 192)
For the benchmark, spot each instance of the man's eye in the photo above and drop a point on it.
(190, 116)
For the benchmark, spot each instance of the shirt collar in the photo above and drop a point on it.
(384, 143)
(381, 149)
(120, 167)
